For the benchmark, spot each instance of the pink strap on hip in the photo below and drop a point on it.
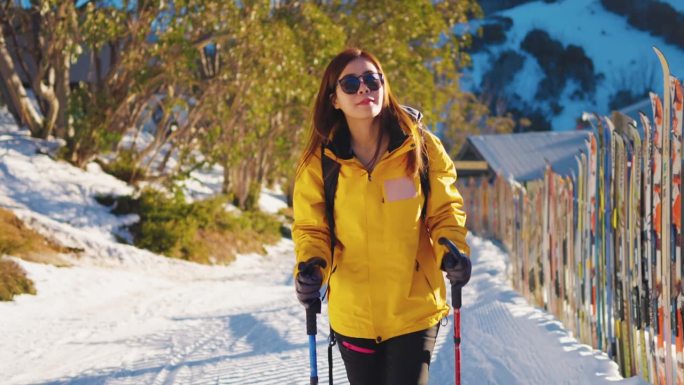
(357, 349)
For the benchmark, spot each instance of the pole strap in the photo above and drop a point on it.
(332, 341)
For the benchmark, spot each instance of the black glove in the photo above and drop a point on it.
(457, 269)
(309, 280)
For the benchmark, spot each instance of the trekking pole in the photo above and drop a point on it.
(311, 312)
(311, 329)
(456, 303)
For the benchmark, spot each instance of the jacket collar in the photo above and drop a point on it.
(340, 144)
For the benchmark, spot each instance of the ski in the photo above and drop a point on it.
(649, 245)
(665, 219)
(676, 258)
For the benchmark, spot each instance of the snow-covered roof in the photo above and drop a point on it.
(524, 156)
(641, 106)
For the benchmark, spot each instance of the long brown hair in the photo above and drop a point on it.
(327, 120)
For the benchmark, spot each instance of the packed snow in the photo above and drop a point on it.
(122, 315)
(622, 53)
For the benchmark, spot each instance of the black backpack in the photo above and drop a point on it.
(331, 171)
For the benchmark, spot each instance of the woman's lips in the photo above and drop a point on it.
(365, 102)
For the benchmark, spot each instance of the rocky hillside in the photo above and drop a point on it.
(551, 60)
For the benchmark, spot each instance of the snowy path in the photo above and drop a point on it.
(242, 325)
(123, 315)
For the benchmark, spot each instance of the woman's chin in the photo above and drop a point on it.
(364, 112)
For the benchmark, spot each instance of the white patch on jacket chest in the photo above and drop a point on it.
(399, 189)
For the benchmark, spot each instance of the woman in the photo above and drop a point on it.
(386, 293)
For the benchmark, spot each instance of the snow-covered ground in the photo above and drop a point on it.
(623, 54)
(122, 315)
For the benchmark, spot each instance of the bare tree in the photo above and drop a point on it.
(38, 42)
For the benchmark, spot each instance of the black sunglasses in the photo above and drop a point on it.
(350, 84)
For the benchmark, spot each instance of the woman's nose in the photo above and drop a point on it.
(363, 89)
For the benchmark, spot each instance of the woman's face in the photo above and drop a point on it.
(366, 101)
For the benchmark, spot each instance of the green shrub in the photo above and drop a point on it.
(123, 167)
(201, 231)
(91, 136)
(260, 223)
(13, 280)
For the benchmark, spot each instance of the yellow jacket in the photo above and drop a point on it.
(385, 280)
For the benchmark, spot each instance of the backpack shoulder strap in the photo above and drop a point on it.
(425, 173)
(417, 116)
(331, 172)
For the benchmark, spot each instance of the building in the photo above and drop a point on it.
(522, 157)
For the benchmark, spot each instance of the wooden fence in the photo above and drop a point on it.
(601, 248)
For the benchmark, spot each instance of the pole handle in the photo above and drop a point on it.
(455, 291)
(452, 247)
(313, 309)
(455, 297)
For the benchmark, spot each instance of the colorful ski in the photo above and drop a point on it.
(649, 245)
(666, 220)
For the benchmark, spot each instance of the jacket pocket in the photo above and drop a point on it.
(399, 189)
(421, 284)
(401, 212)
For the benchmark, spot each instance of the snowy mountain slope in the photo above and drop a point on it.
(676, 4)
(123, 315)
(622, 55)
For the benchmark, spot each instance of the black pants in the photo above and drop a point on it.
(402, 360)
